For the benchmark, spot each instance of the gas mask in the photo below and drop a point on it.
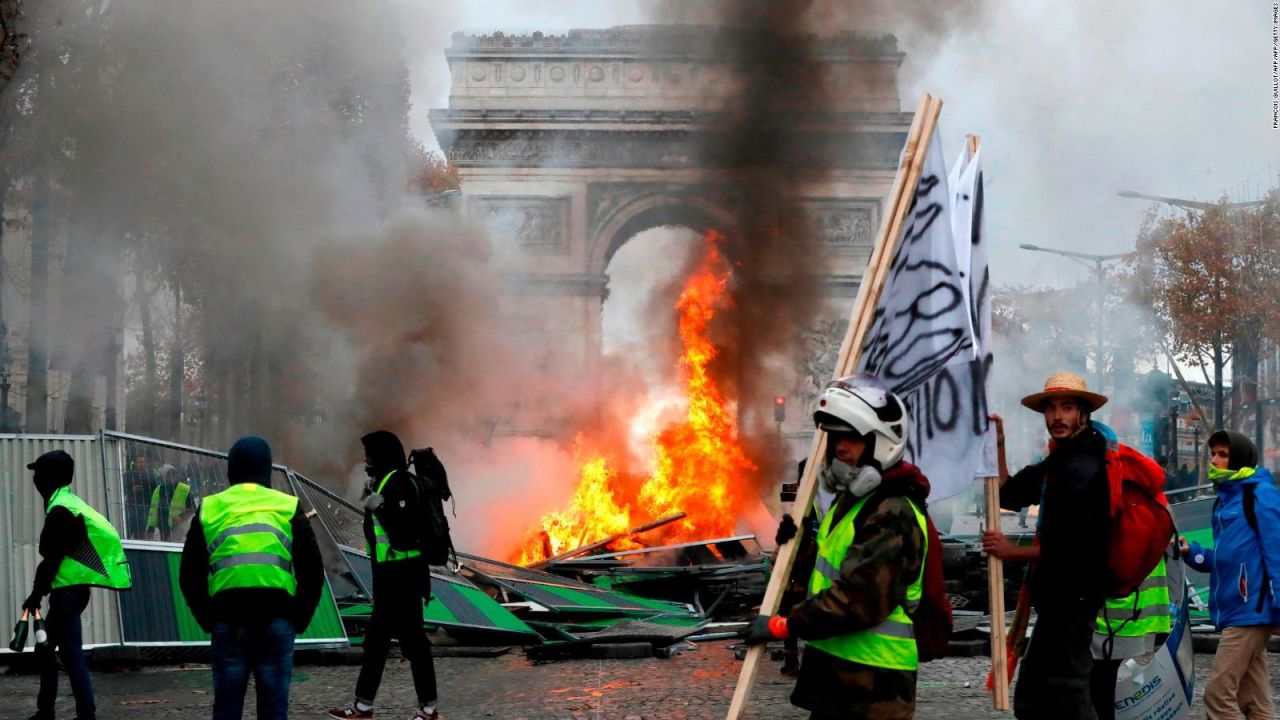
(839, 476)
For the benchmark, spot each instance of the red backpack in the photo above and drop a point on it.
(1141, 525)
(932, 618)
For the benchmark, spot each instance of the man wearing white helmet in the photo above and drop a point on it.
(860, 656)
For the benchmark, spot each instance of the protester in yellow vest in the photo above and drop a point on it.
(252, 575)
(860, 657)
(171, 502)
(80, 550)
(1128, 627)
(401, 578)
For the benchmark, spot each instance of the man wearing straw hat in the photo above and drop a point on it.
(1070, 570)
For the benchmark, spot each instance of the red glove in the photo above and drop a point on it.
(763, 629)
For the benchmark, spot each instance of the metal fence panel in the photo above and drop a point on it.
(24, 517)
(148, 472)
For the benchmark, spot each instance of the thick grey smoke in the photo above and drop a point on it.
(215, 149)
(417, 300)
(205, 150)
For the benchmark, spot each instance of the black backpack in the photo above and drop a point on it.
(433, 484)
(1251, 517)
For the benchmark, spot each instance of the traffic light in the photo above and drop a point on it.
(779, 409)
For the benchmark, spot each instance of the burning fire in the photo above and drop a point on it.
(699, 467)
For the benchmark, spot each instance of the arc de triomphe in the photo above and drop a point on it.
(568, 146)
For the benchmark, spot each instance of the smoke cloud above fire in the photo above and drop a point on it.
(254, 158)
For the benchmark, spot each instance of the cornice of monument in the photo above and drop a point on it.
(864, 149)
(656, 41)
(647, 117)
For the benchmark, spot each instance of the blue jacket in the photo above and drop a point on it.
(1236, 562)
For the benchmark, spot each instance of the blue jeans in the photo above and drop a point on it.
(266, 649)
(63, 626)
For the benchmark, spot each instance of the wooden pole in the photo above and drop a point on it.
(995, 593)
(901, 197)
(995, 572)
(583, 550)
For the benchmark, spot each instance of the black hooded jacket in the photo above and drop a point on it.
(399, 513)
(1075, 520)
(63, 532)
(249, 605)
(1243, 453)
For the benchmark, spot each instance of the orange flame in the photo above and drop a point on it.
(592, 514)
(699, 467)
(699, 464)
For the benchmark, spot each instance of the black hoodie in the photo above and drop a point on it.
(250, 461)
(399, 514)
(1243, 453)
(63, 532)
(1075, 520)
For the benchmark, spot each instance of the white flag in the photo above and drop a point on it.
(978, 451)
(921, 321)
(926, 339)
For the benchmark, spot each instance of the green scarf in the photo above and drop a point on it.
(1219, 475)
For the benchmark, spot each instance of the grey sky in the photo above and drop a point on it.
(1074, 101)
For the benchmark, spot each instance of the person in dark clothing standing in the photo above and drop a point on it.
(401, 578)
(80, 550)
(252, 575)
(140, 482)
(1068, 579)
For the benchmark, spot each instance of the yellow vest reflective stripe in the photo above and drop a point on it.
(99, 562)
(177, 500)
(890, 644)
(1150, 604)
(249, 534)
(382, 550)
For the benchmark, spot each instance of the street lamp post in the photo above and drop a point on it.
(4, 379)
(1195, 429)
(1198, 205)
(1100, 271)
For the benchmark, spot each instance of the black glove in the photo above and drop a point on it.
(32, 602)
(786, 530)
(759, 631)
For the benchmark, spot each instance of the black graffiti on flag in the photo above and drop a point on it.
(914, 337)
(979, 287)
(938, 407)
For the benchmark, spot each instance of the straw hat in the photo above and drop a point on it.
(1064, 384)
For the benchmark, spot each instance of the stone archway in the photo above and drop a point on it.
(567, 146)
(624, 210)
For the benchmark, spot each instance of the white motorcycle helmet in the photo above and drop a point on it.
(862, 404)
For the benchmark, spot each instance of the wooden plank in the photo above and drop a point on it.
(901, 198)
(995, 569)
(995, 593)
(583, 550)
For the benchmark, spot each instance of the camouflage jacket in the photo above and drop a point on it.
(884, 561)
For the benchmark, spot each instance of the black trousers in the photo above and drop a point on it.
(1102, 683)
(399, 591)
(1054, 677)
(64, 630)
